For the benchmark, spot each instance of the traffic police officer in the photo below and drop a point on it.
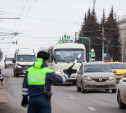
(1, 78)
(37, 85)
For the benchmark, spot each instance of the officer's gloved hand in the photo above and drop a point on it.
(24, 102)
(69, 71)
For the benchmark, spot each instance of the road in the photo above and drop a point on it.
(65, 98)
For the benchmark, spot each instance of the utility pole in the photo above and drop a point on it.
(75, 37)
(103, 38)
(89, 47)
(94, 1)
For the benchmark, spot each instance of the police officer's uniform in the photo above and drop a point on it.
(37, 81)
(1, 78)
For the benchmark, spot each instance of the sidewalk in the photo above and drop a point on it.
(3, 94)
(3, 99)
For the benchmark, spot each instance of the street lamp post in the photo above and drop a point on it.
(103, 42)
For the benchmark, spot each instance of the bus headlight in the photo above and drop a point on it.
(59, 72)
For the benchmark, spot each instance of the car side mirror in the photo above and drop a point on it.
(114, 71)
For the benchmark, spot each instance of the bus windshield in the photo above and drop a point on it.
(26, 58)
(68, 55)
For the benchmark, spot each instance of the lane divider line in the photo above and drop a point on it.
(91, 108)
(71, 97)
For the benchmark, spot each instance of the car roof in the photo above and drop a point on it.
(95, 63)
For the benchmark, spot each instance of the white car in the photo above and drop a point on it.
(96, 75)
(121, 94)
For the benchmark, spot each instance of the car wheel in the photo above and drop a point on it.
(82, 89)
(113, 90)
(78, 89)
(121, 104)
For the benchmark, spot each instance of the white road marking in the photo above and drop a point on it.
(91, 108)
(71, 97)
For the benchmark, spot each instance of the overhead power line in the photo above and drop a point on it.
(9, 18)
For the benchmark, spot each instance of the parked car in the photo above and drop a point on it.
(121, 94)
(95, 75)
(119, 68)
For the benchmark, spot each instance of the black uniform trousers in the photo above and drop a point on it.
(39, 104)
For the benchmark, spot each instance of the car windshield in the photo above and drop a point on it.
(9, 59)
(97, 68)
(117, 66)
(68, 55)
(26, 58)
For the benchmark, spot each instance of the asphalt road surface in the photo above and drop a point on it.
(65, 98)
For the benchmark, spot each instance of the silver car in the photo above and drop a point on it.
(121, 94)
(96, 75)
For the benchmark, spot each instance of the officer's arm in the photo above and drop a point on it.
(25, 86)
(57, 78)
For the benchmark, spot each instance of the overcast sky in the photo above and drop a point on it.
(43, 22)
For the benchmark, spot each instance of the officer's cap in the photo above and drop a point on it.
(42, 54)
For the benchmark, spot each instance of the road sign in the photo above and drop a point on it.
(71, 40)
(92, 50)
(92, 54)
(67, 37)
(105, 55)
(13, 42)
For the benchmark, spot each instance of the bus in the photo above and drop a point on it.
(63, 55)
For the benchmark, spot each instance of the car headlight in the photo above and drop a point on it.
(88, 78)
(112, 78)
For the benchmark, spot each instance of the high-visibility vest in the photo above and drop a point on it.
(36, 74)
